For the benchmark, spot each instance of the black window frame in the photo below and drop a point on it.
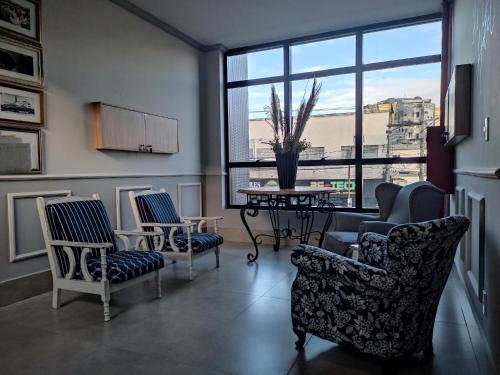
(358, 69)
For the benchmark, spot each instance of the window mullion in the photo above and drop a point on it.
(359, 119)
(286, 83)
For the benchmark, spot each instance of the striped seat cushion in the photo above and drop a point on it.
(125, 265)
(157, 208)
(200, 242)
(80, 221)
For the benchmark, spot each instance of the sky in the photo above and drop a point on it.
(338, 93)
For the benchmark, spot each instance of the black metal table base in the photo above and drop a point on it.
(306, 208)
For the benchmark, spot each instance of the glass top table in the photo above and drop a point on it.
(306, 202)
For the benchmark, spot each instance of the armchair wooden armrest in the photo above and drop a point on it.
(172, 225)
(125, 234)
(203, 220)
(95, 245)
(87, 249)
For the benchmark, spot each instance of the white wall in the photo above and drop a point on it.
(476, 41)
(96, 51)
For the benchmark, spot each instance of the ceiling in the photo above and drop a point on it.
(238, 23)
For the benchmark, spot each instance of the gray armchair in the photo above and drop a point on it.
(413, 203)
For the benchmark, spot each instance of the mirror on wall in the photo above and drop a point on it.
(20, 151)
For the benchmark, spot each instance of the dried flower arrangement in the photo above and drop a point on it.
(288, 131)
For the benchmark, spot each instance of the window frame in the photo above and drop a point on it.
(357, 69)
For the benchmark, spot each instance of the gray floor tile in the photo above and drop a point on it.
(232, 320)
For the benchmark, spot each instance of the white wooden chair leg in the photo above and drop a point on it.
(106, 297)
(217, 254)
(56, 298)
(158, 284)
(105, 302)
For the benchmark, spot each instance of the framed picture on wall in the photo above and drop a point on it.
(21, 106)
(21, 19)
(20, 151)
(20, 63)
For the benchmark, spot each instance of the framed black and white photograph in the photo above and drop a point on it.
(20, 63)
(21, 18)
(21, 106)
(20, 151)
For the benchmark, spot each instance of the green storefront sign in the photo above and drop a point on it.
(342, 185)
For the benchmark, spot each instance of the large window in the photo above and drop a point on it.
(380, 92)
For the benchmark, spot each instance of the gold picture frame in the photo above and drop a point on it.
(21, 63)
(20, 151)
(20, 19)
(21, 106)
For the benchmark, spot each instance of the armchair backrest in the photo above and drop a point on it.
(420, 257)
(416, 202)
(156, 207)
(386, 193)
(77, 220)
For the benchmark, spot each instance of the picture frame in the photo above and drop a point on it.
(20, 19)
(20, 151)
(20, 63)
(21, 106)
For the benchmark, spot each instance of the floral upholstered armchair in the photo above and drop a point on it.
(385, 303)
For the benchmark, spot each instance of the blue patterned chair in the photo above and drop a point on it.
(385, 303)
(83, 251)
(155, 211)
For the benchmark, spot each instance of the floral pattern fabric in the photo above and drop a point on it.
(386, 304)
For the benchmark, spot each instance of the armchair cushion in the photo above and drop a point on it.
(126, 265)
(79, 221)
(380, 227)
(349, 221)
(339, 242)
(158, 208)
(200, 242)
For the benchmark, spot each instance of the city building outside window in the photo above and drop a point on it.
(380, 92)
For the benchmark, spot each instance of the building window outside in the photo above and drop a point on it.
(380, 92)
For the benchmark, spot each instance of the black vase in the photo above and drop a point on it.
(287, 164)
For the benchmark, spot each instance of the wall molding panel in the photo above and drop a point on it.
(118, 191)
(181, 186)
(459, 202)
(475, 259)
(86, 176)
(479, 172)
(11, 218)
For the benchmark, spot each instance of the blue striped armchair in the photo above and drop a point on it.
(181, 237)
(83, 252)
(385, 303)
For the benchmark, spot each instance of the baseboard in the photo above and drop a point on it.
(18, 289)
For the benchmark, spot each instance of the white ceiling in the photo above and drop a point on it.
(238, 23)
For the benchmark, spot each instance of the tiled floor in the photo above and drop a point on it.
(232, 320)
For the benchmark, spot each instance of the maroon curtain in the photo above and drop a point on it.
(441, 159)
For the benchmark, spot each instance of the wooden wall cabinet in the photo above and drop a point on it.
(125, 129)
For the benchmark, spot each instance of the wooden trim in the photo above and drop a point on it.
(460, 209)
(479, 172)
(476, 281)
(11, 216)
(118, 191)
